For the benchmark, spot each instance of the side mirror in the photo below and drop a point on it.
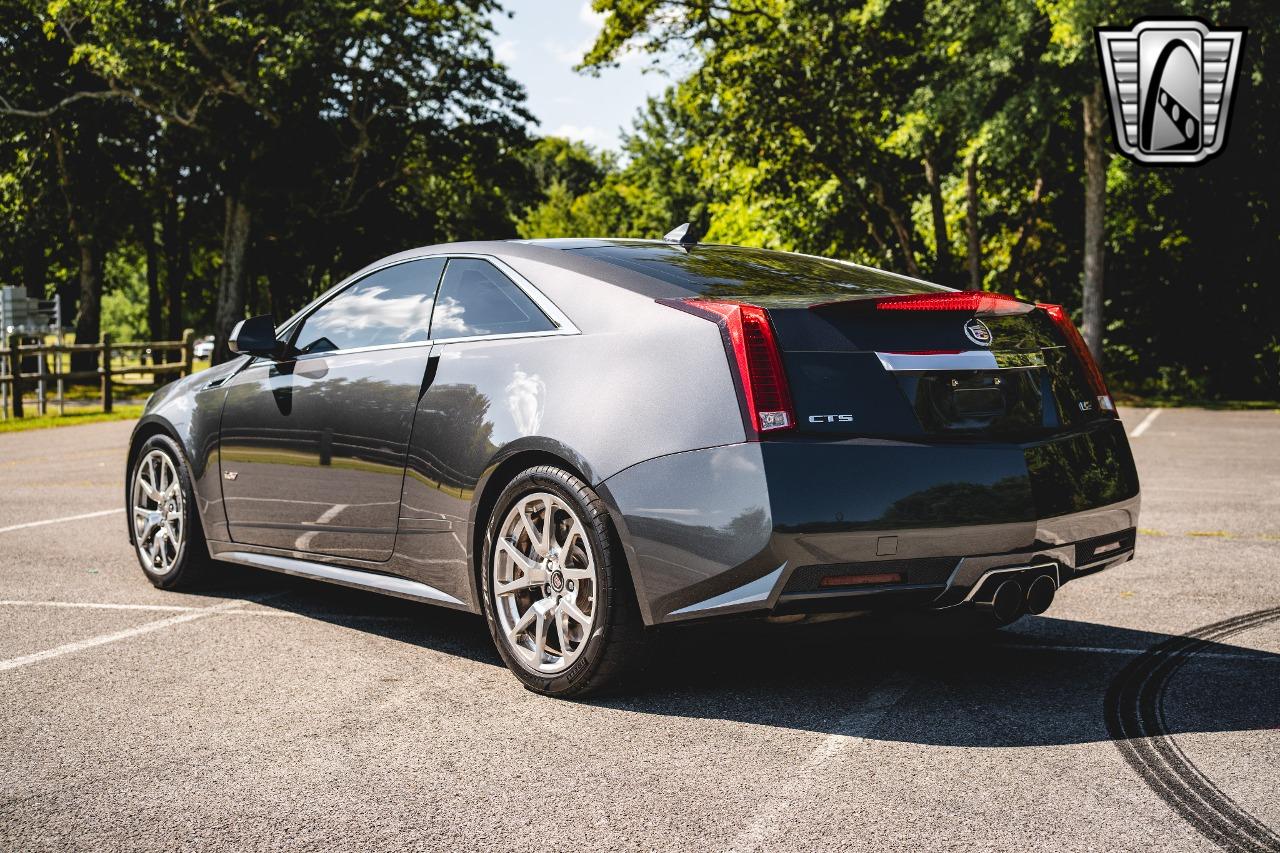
(256, 336)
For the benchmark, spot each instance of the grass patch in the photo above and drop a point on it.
(72, 418)
(1137, 402)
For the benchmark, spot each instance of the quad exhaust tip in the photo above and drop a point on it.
(1018, 595)
(1040, 595)
(1006, 602)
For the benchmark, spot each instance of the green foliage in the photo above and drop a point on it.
(124, 303)
(353, 128)
(346, 129)
(812, 126)
(583, 193)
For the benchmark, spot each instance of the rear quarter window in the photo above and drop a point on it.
(476, 299)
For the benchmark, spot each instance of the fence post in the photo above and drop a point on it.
(15, 369)
(105, 373)
(188, 352)
(42, 384)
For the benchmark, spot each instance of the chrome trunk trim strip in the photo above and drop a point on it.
(965, 360)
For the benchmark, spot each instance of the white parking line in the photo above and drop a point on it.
(95, 605)
(231, 609)
(115, 636)
(178, 608)
(60, 520)
(852, 731)
(1145, 423)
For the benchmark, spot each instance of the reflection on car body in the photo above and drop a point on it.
(583, 439)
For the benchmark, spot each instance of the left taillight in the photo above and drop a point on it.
(752, 350)
(1075, 343)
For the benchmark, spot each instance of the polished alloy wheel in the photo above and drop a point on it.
(157, 512)
(544, 582)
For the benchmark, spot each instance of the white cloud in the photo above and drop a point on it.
(629, 53)
(583, 133)
(505, 51)
(591, 17)
(571, 55)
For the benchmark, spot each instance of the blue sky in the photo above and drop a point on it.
(542, 42)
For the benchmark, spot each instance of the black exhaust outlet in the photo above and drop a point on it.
(1040, 594)
(1006, 602)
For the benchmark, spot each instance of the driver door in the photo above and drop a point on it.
(313, 446)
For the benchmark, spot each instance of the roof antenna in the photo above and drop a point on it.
(686, 235)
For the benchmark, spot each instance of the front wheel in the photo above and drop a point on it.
(557, 595)
(166, 530)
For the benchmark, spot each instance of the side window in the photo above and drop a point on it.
(476, 299)
(390, 306)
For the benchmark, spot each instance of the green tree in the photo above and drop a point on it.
(363, 88)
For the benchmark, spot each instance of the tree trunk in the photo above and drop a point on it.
(1095, 210)
(971, 222)
(285, 280)
(89, 312)
(942, 269)
(155, 317)
(177, 260)
(231, 283)
(900, 227)
(81, 226)
(1024, 233)
(35, 267)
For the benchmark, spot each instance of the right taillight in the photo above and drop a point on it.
(1081, 351)
(753, 353)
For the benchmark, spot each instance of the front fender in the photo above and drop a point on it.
(189, 410)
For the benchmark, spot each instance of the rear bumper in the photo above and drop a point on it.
(765, 528)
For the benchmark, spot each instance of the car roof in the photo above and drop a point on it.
(661, 269)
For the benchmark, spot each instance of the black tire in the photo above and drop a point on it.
(615, 648)
(192, 557)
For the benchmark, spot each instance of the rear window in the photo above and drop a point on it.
(736, 272)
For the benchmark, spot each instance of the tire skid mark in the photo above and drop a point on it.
(1135, 717)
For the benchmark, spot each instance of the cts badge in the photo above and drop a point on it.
(830, 419)
(977, 331)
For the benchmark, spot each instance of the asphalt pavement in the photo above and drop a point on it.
(1142, 712)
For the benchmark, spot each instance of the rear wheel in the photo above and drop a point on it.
(556, 592)
(166, 530)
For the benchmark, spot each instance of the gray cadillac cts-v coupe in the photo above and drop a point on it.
(581, 439)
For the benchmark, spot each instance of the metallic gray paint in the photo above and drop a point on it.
(741, 510)
(190, 411)
(693, 525)
(634, 396)
(318, 447)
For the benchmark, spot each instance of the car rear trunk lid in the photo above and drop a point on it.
(962, 365)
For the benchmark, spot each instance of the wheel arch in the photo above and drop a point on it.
(501, 471)
(150, 425)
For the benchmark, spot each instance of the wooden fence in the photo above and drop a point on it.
(110, 357)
